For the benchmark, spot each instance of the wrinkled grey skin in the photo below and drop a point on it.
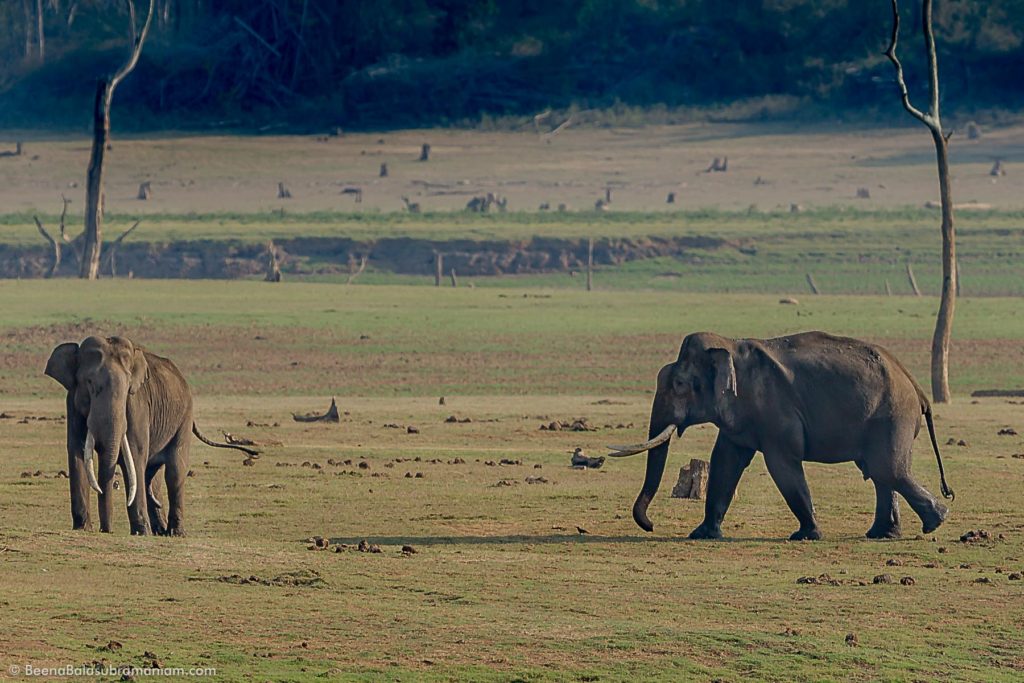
(806, 397)
(116, 388)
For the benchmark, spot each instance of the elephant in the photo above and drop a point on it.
(135, 409)
(810, 397)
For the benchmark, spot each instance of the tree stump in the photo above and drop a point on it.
(383, 170)
(973, 131)
(425, 152)
(283, 192)
(145, 191)
(693, 480)
(273, 268)
(671, 198)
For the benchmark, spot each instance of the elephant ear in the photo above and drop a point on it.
(63, 364)
(725, 382)
(140, 370)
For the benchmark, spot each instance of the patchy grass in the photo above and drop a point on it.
(502, 587)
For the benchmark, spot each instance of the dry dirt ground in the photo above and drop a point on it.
(771, 166)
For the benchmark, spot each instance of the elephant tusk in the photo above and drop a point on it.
(129, 466)
(90, 472)
(623, 451)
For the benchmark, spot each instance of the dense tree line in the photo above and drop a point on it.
(401, 62)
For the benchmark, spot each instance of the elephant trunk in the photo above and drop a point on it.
(114, 435)
(661, 430)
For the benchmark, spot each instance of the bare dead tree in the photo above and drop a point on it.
(40, 34)
(54, 244)
(105, 86)
(273, 265)
(111, 252)
(912, 280)
(590, 264)
(931, 119)
(812, 284)
(353, 271)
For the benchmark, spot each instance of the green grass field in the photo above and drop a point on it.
(502, 587)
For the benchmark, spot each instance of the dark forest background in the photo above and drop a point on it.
(386, 63)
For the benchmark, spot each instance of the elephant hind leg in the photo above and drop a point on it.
(175, 472)
(887, 513)
(932, 512)
(157, 522)
(888, 463)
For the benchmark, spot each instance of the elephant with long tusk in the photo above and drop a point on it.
(134, 409)
(809, 397)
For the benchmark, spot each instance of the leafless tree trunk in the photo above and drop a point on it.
(27, 7)
(912, 280)
(931, 119)
(111, 256)
(54, 244)
(90, 267)
(590, 264)
(811, 283)
(40, 32)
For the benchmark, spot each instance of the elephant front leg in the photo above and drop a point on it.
(787, 472)
(77, 480)
(79, 484)
(887, 513)
(728, 461)
(137, 508)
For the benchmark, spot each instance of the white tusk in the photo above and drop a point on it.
(623, 451)
(90, 448)
(129, 465)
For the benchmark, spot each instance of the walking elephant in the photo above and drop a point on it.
(135, 409)
(807, 397)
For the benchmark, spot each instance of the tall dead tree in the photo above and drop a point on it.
(105, 86)
(931, 119)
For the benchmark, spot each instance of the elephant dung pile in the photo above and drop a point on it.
(693, 480)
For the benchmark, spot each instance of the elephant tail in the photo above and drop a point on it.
(251, 452)
(946, 491)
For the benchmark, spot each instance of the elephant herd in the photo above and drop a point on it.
(808, 397)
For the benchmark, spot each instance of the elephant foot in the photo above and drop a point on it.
(706, 532)
(159, 529)
(888, 531)
(934, 518)
(139, 531)
(176, 531)
(811, 534)
(86, 526)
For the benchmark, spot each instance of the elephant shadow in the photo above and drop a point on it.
(524, 539)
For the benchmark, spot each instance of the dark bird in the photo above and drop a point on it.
(582, 530)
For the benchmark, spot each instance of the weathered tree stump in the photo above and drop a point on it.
(383, 170)
(425, 152)
(693, 480)
(331, 415)
(671, 198)
(145, 191)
